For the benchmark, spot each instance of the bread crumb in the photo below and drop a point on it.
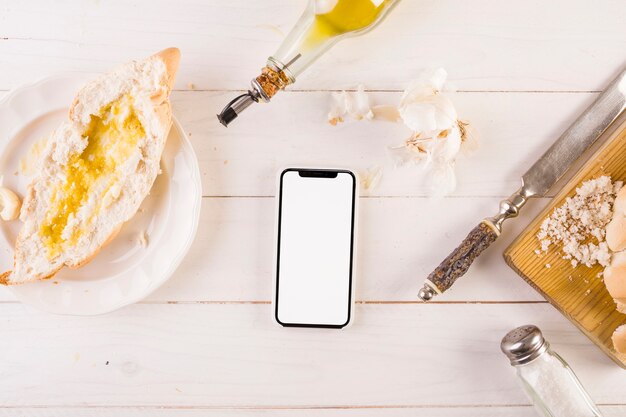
(142, 239)
(29, 164)
(587, 292)
(579, 224)
(548, 265)
(191, 86)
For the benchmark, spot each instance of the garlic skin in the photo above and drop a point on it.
(386, 112)
(10, 204)
(356, 105)
(372, 177)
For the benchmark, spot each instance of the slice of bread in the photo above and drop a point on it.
(96, 169)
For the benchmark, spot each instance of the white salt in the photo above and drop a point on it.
(557, 387)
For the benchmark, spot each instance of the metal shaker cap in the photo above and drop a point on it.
(523, 344)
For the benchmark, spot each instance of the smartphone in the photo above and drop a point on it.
(315, 247)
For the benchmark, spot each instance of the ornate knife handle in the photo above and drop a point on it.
(479, 239)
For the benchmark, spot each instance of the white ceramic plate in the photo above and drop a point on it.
(124, 271)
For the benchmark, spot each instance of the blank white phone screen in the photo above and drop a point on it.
(315, 239)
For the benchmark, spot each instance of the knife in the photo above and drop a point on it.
(536, 182)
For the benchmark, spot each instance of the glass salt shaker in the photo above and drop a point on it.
(548, 380)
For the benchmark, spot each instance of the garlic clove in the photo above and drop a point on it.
(356, 105)
(619, 339)
(616, 229)
(615, 276)
(10, 204)
(419, 116)
(619, 207)
(616, 233)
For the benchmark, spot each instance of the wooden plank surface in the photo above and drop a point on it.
(231, 258)
(485, 44)
(234, 355)
(513, 130)
(204, 343)
(510, 411)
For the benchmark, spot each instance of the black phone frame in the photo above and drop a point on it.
(317, 173)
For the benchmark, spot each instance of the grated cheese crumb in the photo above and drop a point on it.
(579, 224)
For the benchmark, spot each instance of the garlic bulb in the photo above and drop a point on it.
(437, 133)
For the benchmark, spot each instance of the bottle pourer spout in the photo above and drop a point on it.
(240, 103)
(236, 106)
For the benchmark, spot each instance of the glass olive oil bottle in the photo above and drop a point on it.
(323, 23)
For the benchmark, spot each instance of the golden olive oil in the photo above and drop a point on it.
(347, 16)
(111, 137)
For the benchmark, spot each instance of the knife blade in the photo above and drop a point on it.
(536, 182)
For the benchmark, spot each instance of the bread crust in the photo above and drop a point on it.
(90, 257)
(170, 58)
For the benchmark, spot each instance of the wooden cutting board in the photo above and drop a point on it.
(578, 293)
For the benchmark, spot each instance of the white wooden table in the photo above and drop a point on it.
(205, 344)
